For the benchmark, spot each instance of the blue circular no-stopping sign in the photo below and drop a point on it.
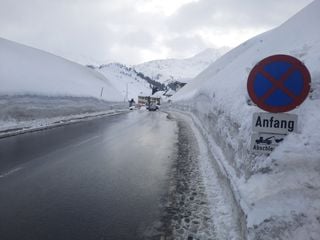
(279, 83)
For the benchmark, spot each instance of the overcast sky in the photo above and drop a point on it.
(134, 31)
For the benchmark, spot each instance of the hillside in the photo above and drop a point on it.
(126, 80)
(182, 70)
(278, 194)
(25, 70)
(168, 74)
(37, 86)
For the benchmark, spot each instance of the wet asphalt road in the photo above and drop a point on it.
(99, 179)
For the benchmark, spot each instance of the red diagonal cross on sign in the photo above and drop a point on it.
(278, 84)
(263, 95)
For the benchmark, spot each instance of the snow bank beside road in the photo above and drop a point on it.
(25, 70)
(19, 114)
(38, 86)
(278, 193)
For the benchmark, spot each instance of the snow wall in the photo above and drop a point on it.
(279, 193)
(35, 84)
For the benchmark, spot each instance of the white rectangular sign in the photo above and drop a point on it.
(282, 123)
(265, 142)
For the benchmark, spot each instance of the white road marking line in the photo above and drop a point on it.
(6, 174)
(85, 141)
(10, 172)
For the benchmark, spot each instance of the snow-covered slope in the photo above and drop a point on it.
(126, 80)
(25, 70)
(280, 193)
(38, 89)
(182, 70)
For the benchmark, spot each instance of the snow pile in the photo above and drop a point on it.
(38, 86)
(126, 80)
(25, 70)
(42, 113)
(279, 193)
(26, 111)
(182, 70)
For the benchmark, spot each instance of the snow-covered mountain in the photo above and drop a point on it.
(278, 194)
(169, 74)
(126, 80)
(181, 70)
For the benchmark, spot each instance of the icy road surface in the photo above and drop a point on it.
(101, 179)
(142, 175)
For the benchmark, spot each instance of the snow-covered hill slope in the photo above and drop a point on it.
(182, 70)
(25, 70)
(126, 80)
(279, 193)
(38, 89)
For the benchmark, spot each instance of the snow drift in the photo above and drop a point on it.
(25, 70)
(279, 194)
(37, 85)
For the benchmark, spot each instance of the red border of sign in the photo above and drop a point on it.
(297, 65)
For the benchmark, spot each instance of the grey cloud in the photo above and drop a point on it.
(184, 46)
(68, 28)
(233, 14)
(140, 39)
(117, 30)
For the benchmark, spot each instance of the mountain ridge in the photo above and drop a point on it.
(181, 70)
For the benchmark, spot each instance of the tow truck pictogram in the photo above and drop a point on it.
(268, 140)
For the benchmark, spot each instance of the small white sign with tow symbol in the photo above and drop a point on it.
(265, 142)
